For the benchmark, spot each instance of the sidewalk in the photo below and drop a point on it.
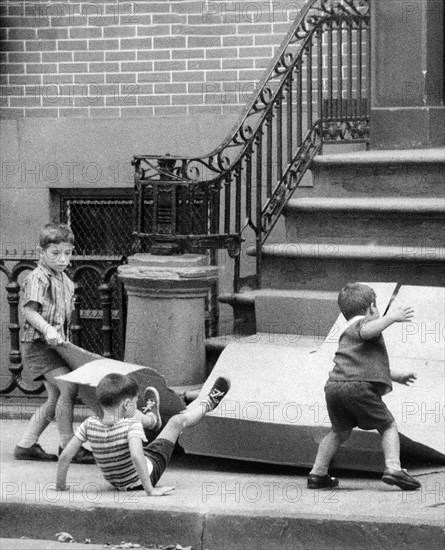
(219, 504)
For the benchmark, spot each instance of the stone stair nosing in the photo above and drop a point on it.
(383, 221)
(399, 173)
(328, 266)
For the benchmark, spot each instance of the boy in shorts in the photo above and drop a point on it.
(361, 375)
(47, 303)
(117, 437)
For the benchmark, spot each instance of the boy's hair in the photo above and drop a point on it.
(55, 233)
(354, 299)
(114, 388)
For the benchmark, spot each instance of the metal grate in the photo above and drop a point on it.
(102, 229)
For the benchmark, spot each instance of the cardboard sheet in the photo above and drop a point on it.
(88, 369)
(275, 410)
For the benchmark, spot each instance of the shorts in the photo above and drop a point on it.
(39, 358)
(159, 453)
(354, 403)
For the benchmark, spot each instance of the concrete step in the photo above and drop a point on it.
(280, 311)
(367, 220)
(401, 173)
(328, 266)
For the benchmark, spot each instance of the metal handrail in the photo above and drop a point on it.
(210, 202)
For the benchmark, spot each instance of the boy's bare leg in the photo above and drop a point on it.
(391, 446)
(393, 474)
(195, 412)
(329, 445)
(37, 424)
(65, 404)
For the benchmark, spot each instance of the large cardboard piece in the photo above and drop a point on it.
(89, 368)
(275, 410)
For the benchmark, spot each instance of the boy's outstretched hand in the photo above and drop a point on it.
(161, 491)
(405, 378)
(401, 314)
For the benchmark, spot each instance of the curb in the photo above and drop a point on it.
(215, 531)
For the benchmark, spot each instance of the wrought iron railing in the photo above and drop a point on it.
(315, 91)
(99, 317)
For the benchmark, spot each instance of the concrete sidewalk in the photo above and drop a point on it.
(219, 504)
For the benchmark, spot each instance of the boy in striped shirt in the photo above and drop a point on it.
(117, 438)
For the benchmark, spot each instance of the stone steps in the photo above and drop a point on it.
(401, 173)
(328, 266)
(369, 216)
(406, 221)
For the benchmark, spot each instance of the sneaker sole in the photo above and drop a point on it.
(316, 486)
(152, 392)
(401, 484)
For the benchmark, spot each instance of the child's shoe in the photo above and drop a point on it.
(401, 478)
(321, 482)
(218, 391)
(35, 452)
(151, 399)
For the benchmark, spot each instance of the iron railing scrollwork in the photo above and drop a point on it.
(315, 91)
(98, 321)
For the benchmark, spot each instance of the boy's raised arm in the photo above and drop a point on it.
(68, 453)
(375, 326)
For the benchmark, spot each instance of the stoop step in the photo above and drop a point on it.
(401, 173)
(328, 266)
(385, 221)
(282, 317)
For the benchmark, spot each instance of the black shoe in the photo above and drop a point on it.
(321, 482)
(401, 478)
(83, 456)
(219, 390)
(35, 452)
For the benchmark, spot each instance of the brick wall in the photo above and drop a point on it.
(110, 58)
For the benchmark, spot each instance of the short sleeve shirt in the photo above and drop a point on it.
(111, 448)
(359, 359)
(55, 295)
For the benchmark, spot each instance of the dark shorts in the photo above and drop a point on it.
(356, 404)
(159, 452)
(39, 358)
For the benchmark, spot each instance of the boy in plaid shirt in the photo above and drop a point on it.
(46, 306)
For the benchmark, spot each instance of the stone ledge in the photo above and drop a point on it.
(369, 204)
(248, 297)
(318, 251)
(400, 156)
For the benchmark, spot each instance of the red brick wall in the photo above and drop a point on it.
(110, 58)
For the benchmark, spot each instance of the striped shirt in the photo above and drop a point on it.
(55, 294)
(111, 448)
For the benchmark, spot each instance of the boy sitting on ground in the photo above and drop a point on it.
(117, 438)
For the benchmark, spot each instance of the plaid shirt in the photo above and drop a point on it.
(55, 294)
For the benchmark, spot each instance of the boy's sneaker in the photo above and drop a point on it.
(218, 391)
(35, 452)
(321, 482)
(401, 478)
(152, 401)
